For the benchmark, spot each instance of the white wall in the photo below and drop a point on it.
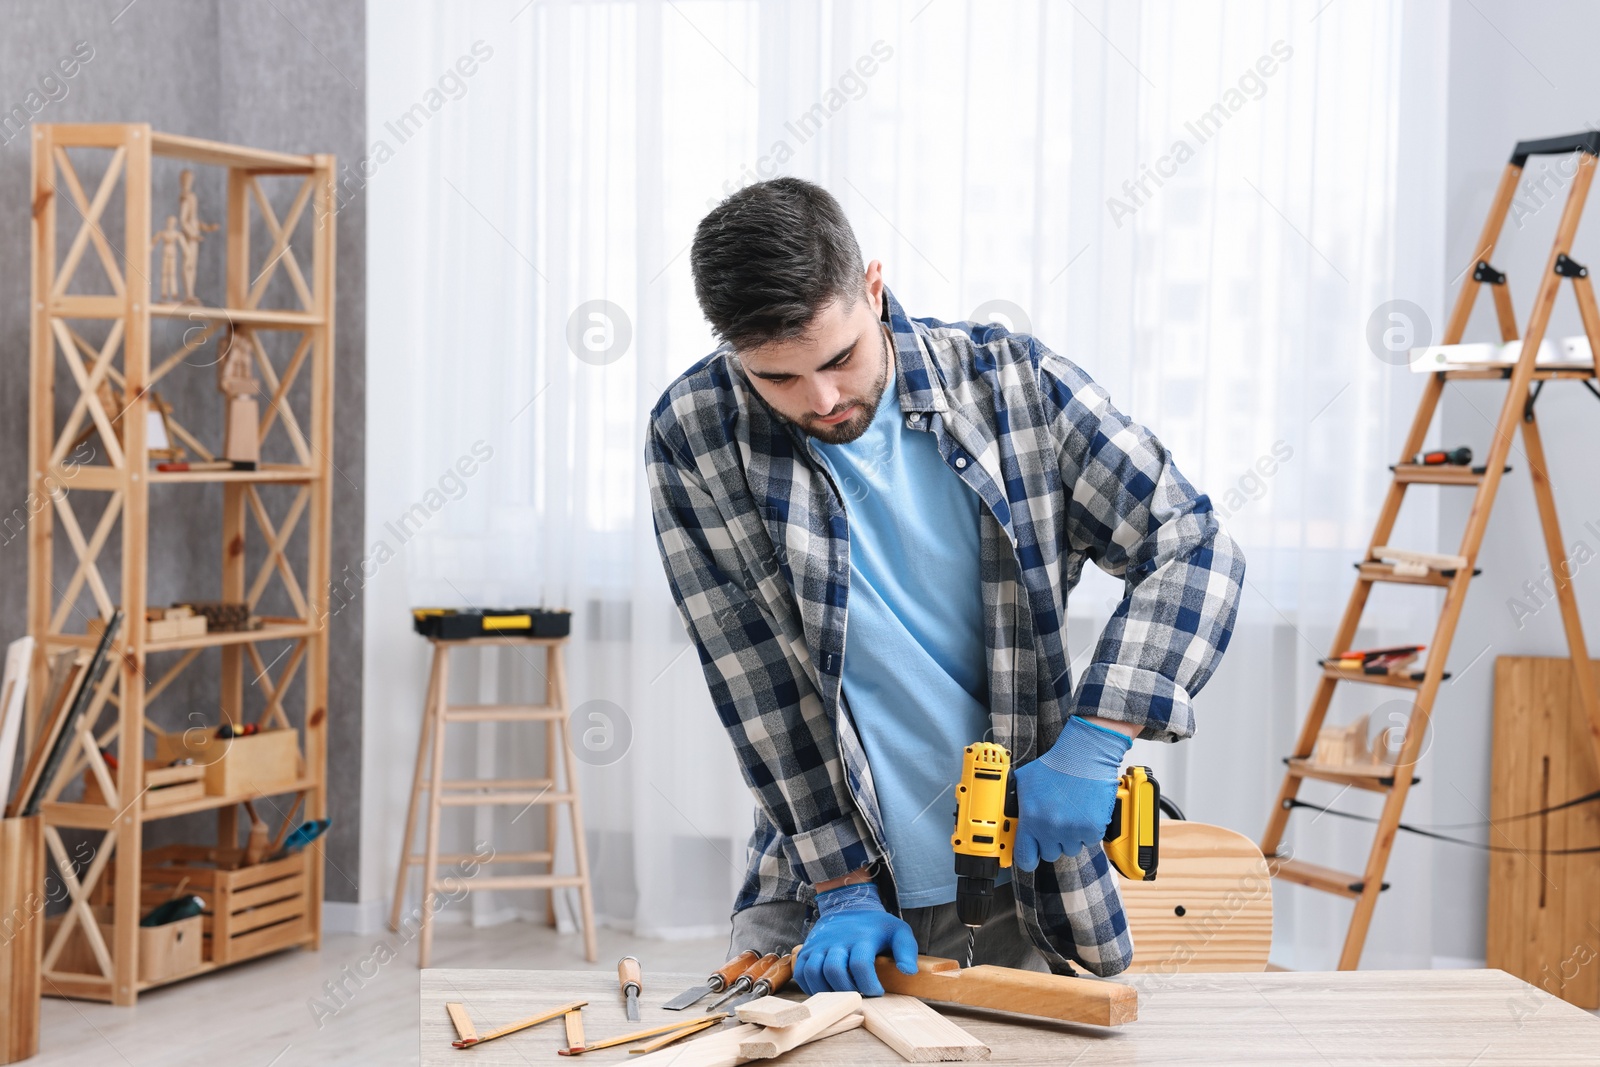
(1517, 71)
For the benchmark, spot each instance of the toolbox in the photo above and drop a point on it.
(450, 624)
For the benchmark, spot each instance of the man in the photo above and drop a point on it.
(870, 525)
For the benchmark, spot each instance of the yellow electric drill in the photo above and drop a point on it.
(986, 827)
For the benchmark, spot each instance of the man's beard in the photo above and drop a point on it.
(866, 408)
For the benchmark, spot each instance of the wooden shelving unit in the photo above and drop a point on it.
(67, 215)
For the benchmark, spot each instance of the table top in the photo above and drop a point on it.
(1478, 1018)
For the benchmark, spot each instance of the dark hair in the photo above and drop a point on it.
(769, 257)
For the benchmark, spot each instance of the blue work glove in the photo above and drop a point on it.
(1065, 797)
(852, 931)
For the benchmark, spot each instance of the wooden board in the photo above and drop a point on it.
(1050, 996)
(774, 1011)
(1209, 908)
(825, 1010)
(1544, 910)
(21, 889)
(918, 1033)
(1393, 1018)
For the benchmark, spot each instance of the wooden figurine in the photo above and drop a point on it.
(236, 378)
(192, 228)
(170, 241)
(1339, 746)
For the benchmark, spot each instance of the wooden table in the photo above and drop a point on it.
(1366, 1018)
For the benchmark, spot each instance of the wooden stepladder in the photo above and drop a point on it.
(1525, 381)
(428, 778)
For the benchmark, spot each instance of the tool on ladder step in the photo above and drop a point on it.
(715, 982)
(1520, 359)
(1456, 457)
(629, 981)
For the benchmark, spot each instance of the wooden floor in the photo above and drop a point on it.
(261, 1014)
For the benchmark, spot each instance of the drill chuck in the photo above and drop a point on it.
(975, 877)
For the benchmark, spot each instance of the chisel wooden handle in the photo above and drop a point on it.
(628, 974)
(777, 975)
(733, 969)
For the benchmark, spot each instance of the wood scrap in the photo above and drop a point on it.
(459, 1018)
(918, 1033)
(722, 1049)
(1050, 996)
(774, 1011)
(825, 1010)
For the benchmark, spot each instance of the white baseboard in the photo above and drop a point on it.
(361, 918)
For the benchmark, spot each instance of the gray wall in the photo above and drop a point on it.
(1517, 71)
(285, 74)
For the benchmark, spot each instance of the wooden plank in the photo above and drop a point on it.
(918, 1033)
(774, 1011)
(218, 154)
(825, 1009)
(574, 1021)
(1051, 996)
(467, 1032)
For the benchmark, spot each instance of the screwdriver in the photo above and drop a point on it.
(773, 978)
(628, 979)
(748, 978)
(715, 982)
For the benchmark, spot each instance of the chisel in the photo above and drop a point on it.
(628, 979)
(715, 982)
(743, 983)
(770, 979)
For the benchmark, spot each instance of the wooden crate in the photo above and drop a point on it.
(250, 910)
(261, 764)
(166, 953)
(1544, 910)
(163, 785)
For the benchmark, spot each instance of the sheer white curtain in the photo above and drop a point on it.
(1016, 161)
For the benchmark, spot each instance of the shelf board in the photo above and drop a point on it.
(216, 153)
(272, 629)
(270, 472)
(100, 817)
(265, 318)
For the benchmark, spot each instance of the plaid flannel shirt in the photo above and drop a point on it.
(755, 539)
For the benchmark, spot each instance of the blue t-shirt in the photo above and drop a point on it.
(915, 672)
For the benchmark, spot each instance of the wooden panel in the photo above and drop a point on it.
(918, 1033)
(1544, 910)
(21, 906)
(1209, 908)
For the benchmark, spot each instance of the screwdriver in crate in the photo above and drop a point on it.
(716, 981)
(628, 978)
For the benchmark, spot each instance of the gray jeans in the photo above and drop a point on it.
(780, 925)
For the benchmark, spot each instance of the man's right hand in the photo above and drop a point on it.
(853, 930)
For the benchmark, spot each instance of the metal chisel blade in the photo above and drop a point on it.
(633, 1006)
(689, 996)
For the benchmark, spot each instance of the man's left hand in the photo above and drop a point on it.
(1065, 797)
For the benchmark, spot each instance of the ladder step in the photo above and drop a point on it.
(1384, 572)
(470, 800)
(512, 881)
(420, 859)
(1413, 680)
(1377, 781)
(502, 713)
(1324, 878)
(1438, 474)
